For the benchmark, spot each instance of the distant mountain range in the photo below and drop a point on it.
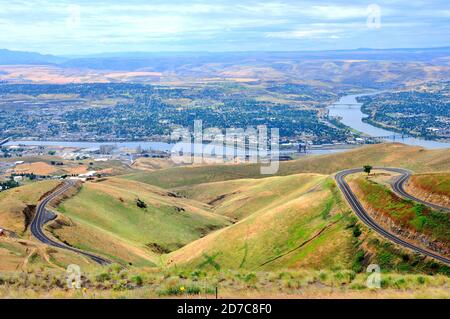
(8, 57)
(163, 60)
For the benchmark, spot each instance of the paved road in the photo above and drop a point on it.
(365, 217)
(40, 219)
(399, 184)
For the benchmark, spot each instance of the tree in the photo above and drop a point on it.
(367, 169)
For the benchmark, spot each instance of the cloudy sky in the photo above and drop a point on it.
(94, 26)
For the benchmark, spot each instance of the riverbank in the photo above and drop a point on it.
(348, 109)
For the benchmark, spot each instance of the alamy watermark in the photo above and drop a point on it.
(73, 19)
(373, 16)
(73, 278)
(214, 145)
(374, 279)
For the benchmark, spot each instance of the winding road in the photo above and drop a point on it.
(41, 218)
(399, 184)
(365, 217)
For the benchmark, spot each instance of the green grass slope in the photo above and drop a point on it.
(409, 215)
(305, 230)
(104, 217)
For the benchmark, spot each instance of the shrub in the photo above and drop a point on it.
(399, 283)
(103, 277)
(141, 204)
(250, 278)
(421, 280)
(356, 231)
(137, 280)
(323, 276)
(179, 290)
(357, 264)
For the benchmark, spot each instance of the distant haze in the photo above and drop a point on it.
(169, 60)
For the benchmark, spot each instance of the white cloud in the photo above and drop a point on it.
(310, 33)
(338, 12)
(49, 25)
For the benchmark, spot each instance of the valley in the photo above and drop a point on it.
(224, 158)
(226, 221)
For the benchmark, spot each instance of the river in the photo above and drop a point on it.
(157, 146)
(351, 116)
(349, 110)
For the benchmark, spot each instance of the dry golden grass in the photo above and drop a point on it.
(104, 218)
(152, 164)
(12, 255)
(393, 154)
(14, 203)
(37, 168)
(241, 198)
(76, 170)
(17, 255)
(57, 75)
(434, 188)
(289, 230)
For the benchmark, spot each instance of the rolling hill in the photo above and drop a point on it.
(18, 250)
(17, 205)
(104, 217)
(289, 222)
(392, 154)
(8, 57)
(228, 224)
(289, 225)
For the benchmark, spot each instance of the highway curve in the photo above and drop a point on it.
(398, 187)
(40, 219)
(365, 217)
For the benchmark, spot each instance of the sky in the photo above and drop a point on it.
(93, 26)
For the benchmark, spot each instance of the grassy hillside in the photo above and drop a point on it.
(26, 255)
(243, 197)
(434, 188)
(152, 164)
(404, 213)
(45, 165)
(438, 183)
(19, 251)
(104, 217)
(17, 205)
(290, 222)
(399, 155)
(304, 229)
